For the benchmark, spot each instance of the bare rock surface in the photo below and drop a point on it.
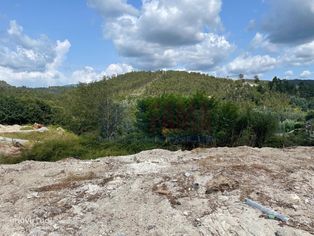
(159, 192)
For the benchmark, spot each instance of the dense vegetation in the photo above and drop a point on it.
(16, 110)
(189, 120)
(143, 110)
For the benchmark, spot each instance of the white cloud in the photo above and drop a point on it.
(37, 62)
(89, 74)
(112, 8)
(117, 69)
(167, 33)
(261, 41)
(300, 55)
(28, 61)
(289, 73)
(31, 78)
(61, 50)
(251, 65)
(15, 29)
(86, 75)
(178, 22)
(305, 74)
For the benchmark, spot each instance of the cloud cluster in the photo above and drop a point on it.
(260, 41)
(302, 54)
(89, 74)
(288, 36)
(37, 62)
(306, 74)
(117, 69)
(166, 33)
(19, 52)
(290, 21)
(169, 34)
(172, 34)
(30, 61)
(251, 65)
(113, 8)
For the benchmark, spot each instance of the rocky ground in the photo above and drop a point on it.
(14, 146)
(159, 192)
(9, 147)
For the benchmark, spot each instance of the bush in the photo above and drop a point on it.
(226, 123)
(190, 119)
(263, 125)
(54, 150)
(309, 116)
(173, 112)
(24, 111)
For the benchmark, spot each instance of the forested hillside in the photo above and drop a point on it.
(120, 113)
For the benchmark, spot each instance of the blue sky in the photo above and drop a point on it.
(45, 42)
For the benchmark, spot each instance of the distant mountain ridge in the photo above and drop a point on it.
(298, 81)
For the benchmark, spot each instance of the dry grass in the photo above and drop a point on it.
(52, 133)
(70, 182)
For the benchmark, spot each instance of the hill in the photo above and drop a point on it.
(109, 108)
(139, 84)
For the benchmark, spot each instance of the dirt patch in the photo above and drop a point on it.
(71, 181)
(9, 149)
(57, 187)
(221, 184)
(159, 192)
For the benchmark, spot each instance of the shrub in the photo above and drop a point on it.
(309, 116)
(173, 112)
(15, 110)
(190, 119)
(54, 150)
(263, 125)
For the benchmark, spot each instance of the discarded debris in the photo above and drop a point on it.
(162, 192)
(37, 126)
(196, 186)
(221, 184)
(269, 212)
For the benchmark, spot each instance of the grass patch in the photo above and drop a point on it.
(10, 159)
(54, 150)
(89, 148)
(52, 133)
(55, 145)
(27, 127)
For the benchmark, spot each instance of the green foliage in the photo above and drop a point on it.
(168, 116)
(226, 123)
(144, 110)
(263, 125)
(91, 109)
(54, 150)
(22, 111)
(309, 115)
(191, 115)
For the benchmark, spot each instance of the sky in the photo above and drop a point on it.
(46, 43)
